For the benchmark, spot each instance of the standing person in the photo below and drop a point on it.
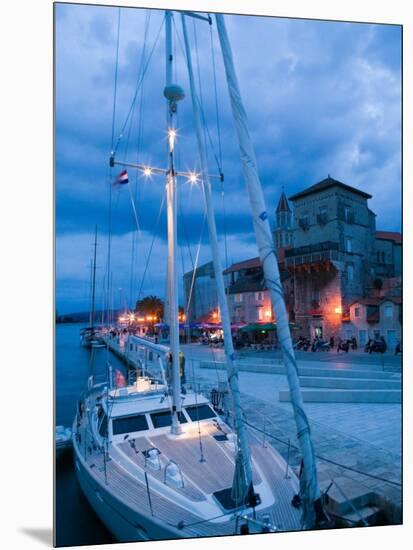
(182, 368)
(338, 344)
(331, 342)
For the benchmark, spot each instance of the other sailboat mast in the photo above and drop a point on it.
(92, 307)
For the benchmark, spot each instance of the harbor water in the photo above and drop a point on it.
(75, 521)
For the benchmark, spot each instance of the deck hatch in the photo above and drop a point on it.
(163, 418)
(200, 412)
(129, 424)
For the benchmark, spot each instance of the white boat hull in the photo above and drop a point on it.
(125, 524)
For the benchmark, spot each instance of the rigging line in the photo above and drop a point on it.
(116, 81)
(201, 100)
(216, 95)
(195, 265)
(203, 117)
(152, 243)
(136, 187)
(138, 85)
(225, 222)
(185, 233)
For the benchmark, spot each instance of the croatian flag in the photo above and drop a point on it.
(122, 178)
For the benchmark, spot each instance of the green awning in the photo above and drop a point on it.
(252, 327)
(259, 326)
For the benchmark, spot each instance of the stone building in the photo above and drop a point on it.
(333, 259)
(375, 317)
(283, 231)
(388, 254)
(203, 299)
(248, 298)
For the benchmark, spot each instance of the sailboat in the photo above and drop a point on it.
(90, 336)
(152, 456)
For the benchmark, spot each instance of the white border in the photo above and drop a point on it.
(27, 261)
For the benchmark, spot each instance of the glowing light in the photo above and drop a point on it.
(193, 177)
(149, 318)
(147, 171)
(267, 313)
(215, 315)
(141, 319)
(132, 317)
(172, 137)
(338, 309)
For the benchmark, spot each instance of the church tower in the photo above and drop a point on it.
(283, 232)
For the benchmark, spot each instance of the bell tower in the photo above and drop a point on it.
(283, 232)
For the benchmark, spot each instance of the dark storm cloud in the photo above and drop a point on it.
(321, 97)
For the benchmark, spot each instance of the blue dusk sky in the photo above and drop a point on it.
(321, 97)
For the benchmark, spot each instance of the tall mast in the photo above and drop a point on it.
(90, 291)
(171, 190)
(92, 309)
(232, 369)
(311, 491)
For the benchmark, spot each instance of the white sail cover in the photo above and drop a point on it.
(311, 491)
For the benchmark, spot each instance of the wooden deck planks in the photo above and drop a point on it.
(123, 486)
(189, 490)
(214, 474)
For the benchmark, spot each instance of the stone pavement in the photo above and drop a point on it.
(363, 437)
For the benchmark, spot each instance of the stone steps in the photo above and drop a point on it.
(305, 370)
(331, 395)
(332, 383)
(349, 383)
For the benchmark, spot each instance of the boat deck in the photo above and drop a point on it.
(200, 478)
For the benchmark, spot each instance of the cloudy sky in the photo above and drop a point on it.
(322, 98)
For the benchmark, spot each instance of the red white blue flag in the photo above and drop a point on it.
(122, 178)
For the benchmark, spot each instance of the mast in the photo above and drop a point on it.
(232, 369)
(90, 291)
(171, 189)
(310, 491)
(92, 309)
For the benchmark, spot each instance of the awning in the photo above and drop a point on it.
(265, 326)
(259, 326)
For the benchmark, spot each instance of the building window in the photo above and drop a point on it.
(304, 221)
(388, 312)
(349, 244)
(258, 296)
(348, 214)
(322, 216)
(350, 273)
(260, 314)
(238, 298)
(356, 312)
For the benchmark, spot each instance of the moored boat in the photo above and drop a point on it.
(63, 440)
(151, 455)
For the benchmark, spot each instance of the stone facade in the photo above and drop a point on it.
(388, 254)
(204, 298)
(334, 258)
(373, 318)
(248, 299)
(283, 230)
